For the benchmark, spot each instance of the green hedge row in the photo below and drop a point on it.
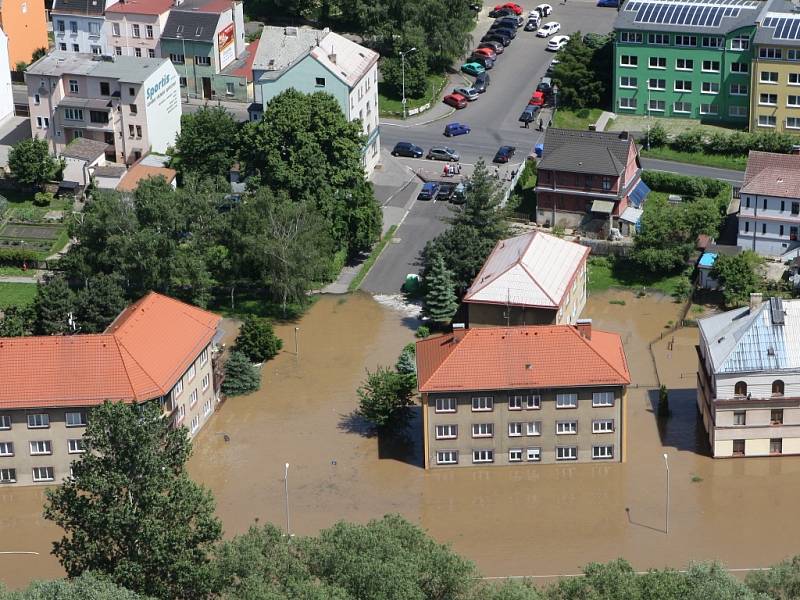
(735, 143)
(17, 256)
(685, 185)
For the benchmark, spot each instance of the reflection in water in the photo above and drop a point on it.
(532, 519)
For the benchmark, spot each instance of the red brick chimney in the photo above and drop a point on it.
(584, 327)
(459, 331)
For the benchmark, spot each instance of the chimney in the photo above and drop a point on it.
(332, 58)
(755, 300)
(584, 327)
(623, 135)
(459, 331)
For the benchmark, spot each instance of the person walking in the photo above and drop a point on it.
(445, 171)
(549, 123)
(541, 125)
(527, 124)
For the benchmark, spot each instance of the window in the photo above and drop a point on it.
(97, 116)
(631, 37)
(793, 79)
(566, 400)
(793, 122)
(94, 28)
(515, 403)
(657, 105)
(629, 103)
(447, 457)
(193, 398)
(780, 232)
(740, 389)
(682, 85)
(149, 31)
(37, 99)
(8, 475)
(738, 447)
(602, 452)
(682, 107)
(738, 89)
(566, 453)
(41, 447)
(711, 66)
(131, 130)
(75, 446)
(202, 61)
(229, 90)
(204, 357)
(768, 77)
(603, 426)
(73, 27)
(115, 29)
(207, 407)
(482, 456)
(6, 449)
(195, 424)
(515, 455)
(105, 89)
(515, 429)
(75, 419)
(712, 41)
(793, 55)
(628, 82)
(176, 391)
(763, 228)
(795, 208)
(685, 40)
(658, 62)
(776, 416)
(684, 64)
(746, 226)
(737, 111)
(769, 99)
(566, 427)
(656, 84)
(532, 402)
(135, 31)
(776, 446)
(709, 87)
(134, 109)
(320, 82)
(73, 114)
(740, 417)
(740, 43)
(446, 432)
(137, 52)
(73, 86)
(770, 53)
(740, 67)
(480, 430)
(533, 428)
(43, 474)
(61, 26)
(442, 404)
(5, 421)
(661, 39)
(39, 122)
(482, 403)
(38, 421)
(62, 47)
(206, 381)
(76, 48)
(533, 454)
(603, 399)
(96, 50)
(177, 59)
(777, 387)
(793, 100)
(151, 53)
(766, 120)
(190, 373)
(180, 414)
(118, 50)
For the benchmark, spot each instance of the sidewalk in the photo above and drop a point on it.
(438, 110)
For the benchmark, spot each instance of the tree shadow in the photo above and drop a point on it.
(355, 423)
(683, 429)
(401, 444)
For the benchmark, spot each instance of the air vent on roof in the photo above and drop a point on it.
(770, 351)
(198, 32)
(776, 308)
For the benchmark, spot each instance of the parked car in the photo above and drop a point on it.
(552, 66)
(482, 82)
(544, 10)
(452, 129)
(529, 114)
(483, 60)
(537, 99)
(503, 12)
(548, 29)
(489, 52)
(511, 5)
(557, 43)
(443, 153)
(608, 3)
(470, 93)
(545, 86)
(493, 36)
(472, 68)
(460, 193)
(446, 191)
(504, 154)
(455, 100)
(505, 30)
(496, 46)
(532, 25)
(407, 149)
(510, 21)
(428, 191)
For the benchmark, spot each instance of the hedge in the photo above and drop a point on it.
(17, 256)
(685, 185)
(735, 143)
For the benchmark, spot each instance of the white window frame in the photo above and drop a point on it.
(514, 402)
(796, 79)
(566, 428)
(659, 108)
(70, 419)
(40, 447)
(206, 381)
(207, 407)
(795, 103)
(5, 421)
(770, 80)
(515, 429)
(793, 54)
(712, 41)
(628, 60)
(73, 86)
(193, 398)
(191, 373)
(770, 53)
(482, 403)
(446, 432)
(603, 452)
(566, 453)
(8, 475)
(692, 39)
(204, 357)
(482, 430)
(771, 121)
(734, 111)
(741, 89)
(709, 109)
(570, 397)
(630, 103)
(447, 457)
(533, 428)
(6, 448)
(740, 43)
(75, 446)
(771, 99)
(136, 31)
(656, 87)
(483, 456)
(684, 67)
(795, 122)
(44, 418)
(661, 62)
(682, 107)
(48, 472)
(178, 389)
(195, 424)
(533, 454)
(628, 83)
(742, 68)
(631, 37)
(712, 69)
(603, 426)
(658, 39)
(115, 29)
(533, 402)
(515, 455)
(682, 87)
(601, 399)
(445, 403)
(707, 87)
(148, 31)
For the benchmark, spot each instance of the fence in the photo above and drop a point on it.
(606, 247)
(512, 184)
(682, 321)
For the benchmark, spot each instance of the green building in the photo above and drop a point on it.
(688, 59)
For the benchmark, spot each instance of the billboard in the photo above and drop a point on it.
(226, 46)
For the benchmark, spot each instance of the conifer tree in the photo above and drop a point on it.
(241, 377)
(440, 298)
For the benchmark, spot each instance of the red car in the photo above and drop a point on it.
(486, 52)
(537, 99)
(512, 5)
(455, 100)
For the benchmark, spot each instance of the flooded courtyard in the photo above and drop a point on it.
(527, 520)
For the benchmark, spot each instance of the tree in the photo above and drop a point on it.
(385, 397)
(53, 306)
(30, 162)
(98, 303)
(130, 510)
(657, 136)
(416, 71)
(582, 75)
(406, 362)
(663, 402)
(440, 297)
(257, 340)
(87, 586)
(241, 377)
(207, 143)
(781, 582)
(737, 275)
(482, 209)
(37, 54)
(17, 321)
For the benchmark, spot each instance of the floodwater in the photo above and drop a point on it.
(527, 520)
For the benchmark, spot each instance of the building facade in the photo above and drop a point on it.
(79, 26)
(687, 59)
(131, 104)
(51, 383)
(522, 395)
(530, 279)
(748, 379)
(134, 28)
(769, 200)
(6, 95)
(25, 24)
(312, 60)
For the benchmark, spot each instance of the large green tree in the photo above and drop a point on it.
(385, 397)
(30, 162)
(781, 581)
(440, 297)
(130, 510)
(241, 377)
(89, 586)
(207, 143)
(53, 306)
(738, 276)
(98, 303)
(583, 73)
(257, 340)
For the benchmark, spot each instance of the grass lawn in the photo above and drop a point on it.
(605, 274)
(16, 294)
(735, 163)
(16, 272)
(393, 106)
(576, 119)
(252, 302)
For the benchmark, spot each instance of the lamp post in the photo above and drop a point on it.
(185, 68)
(296, 348)
(666, 464)
(555, 100)
(286, 494)
(403, 70)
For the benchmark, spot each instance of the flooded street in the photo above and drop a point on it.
(527, 520)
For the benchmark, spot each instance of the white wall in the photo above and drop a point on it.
(6, 97)
(87, 40)
(162, 106)
(759, 385)
(773, 228)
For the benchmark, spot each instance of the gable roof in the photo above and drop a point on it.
(191, 26)
(772, 174)
(496, 358)
(87, 8)
(138, 172)
(593, 152)
(139, 357)
(533, 269)
(141, 7)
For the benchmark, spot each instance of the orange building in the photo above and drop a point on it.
(25, 24)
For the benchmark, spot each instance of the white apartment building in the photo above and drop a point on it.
(131, 104)
(6, 97)
(769, 214)
(79, 25)
(313, 60)
(748, 379)
(134, 28)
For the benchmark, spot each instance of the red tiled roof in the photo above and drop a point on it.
(759, 161)
(141, 7)
(138, 172)
(246, 70)
(498, 357)
(775, 181)
(139, 357)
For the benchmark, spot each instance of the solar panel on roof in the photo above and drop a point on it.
(793, 30)
(702, 13)
(647, 12)
(783, 28)
(717, 18)
(668, 14)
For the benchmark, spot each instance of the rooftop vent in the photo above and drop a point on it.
(623, 135)
(459, 331)
(290, 31)
(776, 308)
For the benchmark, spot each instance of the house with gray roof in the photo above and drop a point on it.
(748, 379)
(587, 175)
(79, 26)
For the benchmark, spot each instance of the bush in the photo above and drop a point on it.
(685, 185)
(43, 198)
(406, 362)
(657, 136)
(385, 397)
(257, 340)
(423, 331)
(690, 140)
(18, 256)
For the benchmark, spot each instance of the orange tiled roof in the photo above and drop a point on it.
(138, 172)
(498, 357)
(139, 357)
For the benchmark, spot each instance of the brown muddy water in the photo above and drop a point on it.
(527, 520)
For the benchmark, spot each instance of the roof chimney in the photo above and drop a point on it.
(623, 135)
(332, 57)
(459, 331)
(584, 327)
(755, 300)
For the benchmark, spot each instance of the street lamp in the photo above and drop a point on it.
(296, 350)
(666, 464)
(185, 68)
(286, 494)
(403, 70)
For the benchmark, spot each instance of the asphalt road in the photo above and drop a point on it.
(735, 177)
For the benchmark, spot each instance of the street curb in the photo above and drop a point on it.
(414, 176)
(386, 124)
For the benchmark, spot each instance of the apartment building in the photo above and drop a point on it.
(6, 95)
(530, 279)
(313, 60)
(688, 59)
(79, 26)
(133, 28)
(748, 379)
(769, 201)
(157, 350)
(523, 395)
(131, 104)
(25, 24)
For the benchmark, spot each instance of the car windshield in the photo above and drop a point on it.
(449, 150)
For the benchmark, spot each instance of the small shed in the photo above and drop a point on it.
(80, 155)
(629, 220)
(108, 176)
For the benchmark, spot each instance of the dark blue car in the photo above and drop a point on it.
(608, 3)
(429, 191)
(452, 129)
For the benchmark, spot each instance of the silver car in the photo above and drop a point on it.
(469, 93)
(443, 153)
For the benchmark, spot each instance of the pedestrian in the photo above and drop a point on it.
(444, 171)
(541, 125)
(459, 168)
(527, 124)
(496, 173)
(549, 123)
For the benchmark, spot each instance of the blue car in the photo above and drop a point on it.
(452, 129)
(608, 3)
(429, 191)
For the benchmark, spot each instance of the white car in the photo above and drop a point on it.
(557, 43)
(544, 10)
(548, 29)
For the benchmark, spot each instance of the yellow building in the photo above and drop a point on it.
(775, 101)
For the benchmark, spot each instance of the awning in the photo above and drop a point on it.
(631, 215)
(637, 196)
(602, 206)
